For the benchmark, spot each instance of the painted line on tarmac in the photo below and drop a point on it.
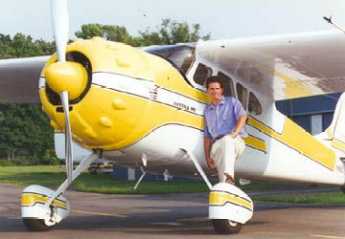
(99, 213)
(327, 236)
(167, 223)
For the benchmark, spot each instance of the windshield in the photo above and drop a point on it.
(181, 56)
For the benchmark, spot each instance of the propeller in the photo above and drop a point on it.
(60, 26)
(61, 30)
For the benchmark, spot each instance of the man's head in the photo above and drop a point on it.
(215, 89)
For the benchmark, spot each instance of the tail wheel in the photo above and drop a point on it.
(224, 226)
(34, 224)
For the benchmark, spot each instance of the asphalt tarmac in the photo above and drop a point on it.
(99, 216)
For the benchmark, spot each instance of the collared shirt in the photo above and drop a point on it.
(221, 119)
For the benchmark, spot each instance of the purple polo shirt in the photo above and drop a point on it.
(221, 119)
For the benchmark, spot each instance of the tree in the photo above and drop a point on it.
(23, 46)
(169, 32)
(172, 32)
(24, 130)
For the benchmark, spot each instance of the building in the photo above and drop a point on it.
(314, 114)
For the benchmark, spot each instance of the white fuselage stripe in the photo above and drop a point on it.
(149, 90)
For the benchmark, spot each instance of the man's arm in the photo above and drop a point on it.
(207, 149)
(241, 122)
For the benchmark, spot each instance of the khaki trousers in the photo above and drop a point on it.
(224, 152)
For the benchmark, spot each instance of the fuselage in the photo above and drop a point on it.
(148, 105)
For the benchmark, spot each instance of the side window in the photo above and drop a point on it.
(254, 106)
(201, 74)
(242, 94)
(228, 84)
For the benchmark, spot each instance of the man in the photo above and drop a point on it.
(225, 119)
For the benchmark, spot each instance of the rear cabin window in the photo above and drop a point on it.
(228, 84)
(242, 94)
(254, 106)
(202, 73)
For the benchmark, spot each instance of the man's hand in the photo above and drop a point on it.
(241, 122)
(210, 163)
(234, 134)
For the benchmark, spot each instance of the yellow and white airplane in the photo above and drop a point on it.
(144, 107)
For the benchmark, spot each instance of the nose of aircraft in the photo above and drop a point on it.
(67, 76)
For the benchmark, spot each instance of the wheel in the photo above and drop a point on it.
(34, 224)
(224, 226)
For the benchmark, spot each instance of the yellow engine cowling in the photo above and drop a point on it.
(106, 119)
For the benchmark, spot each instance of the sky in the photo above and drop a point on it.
(224, 19)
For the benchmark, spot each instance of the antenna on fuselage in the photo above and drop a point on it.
(330, 21)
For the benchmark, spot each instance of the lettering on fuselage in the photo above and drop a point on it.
(184, 107)
(154, 93)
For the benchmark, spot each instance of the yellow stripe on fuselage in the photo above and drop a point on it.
(298, 139)
(256, 143)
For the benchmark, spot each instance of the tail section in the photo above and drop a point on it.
(336, 131)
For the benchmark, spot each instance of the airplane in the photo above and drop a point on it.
(143, 107)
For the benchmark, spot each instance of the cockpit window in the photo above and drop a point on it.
(254, 105)
(242, 94)
(182, 57)
(202, 73)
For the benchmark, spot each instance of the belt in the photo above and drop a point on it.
(219, 137)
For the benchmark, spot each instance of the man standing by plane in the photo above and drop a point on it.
(225, 119)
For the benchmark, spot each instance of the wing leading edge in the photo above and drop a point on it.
(19, 79)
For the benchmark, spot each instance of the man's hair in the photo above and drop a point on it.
(214, 79)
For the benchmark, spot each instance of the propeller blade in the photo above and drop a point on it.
(68, 137)
(61, 26)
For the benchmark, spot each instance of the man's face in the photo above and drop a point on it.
(215, 91)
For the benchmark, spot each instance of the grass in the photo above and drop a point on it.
(331, 198)
(53, 176)
(50, 176)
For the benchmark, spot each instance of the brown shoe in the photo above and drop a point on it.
(229, 179)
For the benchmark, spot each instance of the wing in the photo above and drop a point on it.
(283, 67)
(19, 79)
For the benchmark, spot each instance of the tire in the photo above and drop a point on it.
(34, 224)
(224, 226)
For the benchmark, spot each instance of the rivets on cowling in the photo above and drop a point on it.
(105, 122)
(119, 104)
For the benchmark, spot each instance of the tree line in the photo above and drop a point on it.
(25, 134)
